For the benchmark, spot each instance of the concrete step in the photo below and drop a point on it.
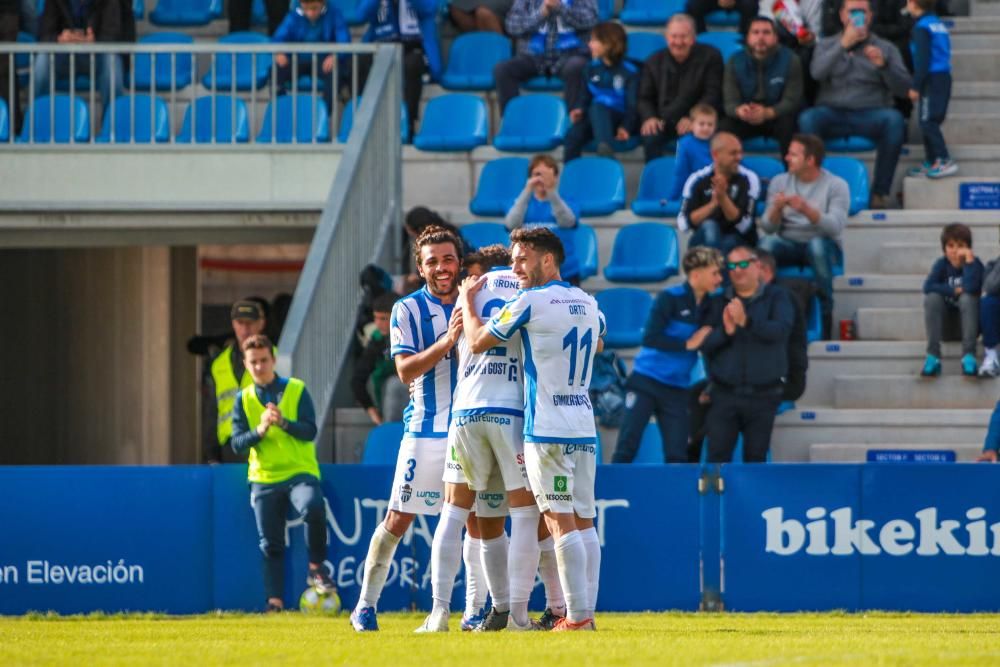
(891, 324)
(853, 292)
(858, 453)
(973, 25)
(946, 192)
(910, 391)
(974, 64)
(797, 430)
(830, 359)
(975, 96)
(904, 257)
(981, 8)
(971, 126)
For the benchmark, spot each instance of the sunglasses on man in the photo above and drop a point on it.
(742, 264)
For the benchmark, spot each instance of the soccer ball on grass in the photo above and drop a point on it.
(313, 602)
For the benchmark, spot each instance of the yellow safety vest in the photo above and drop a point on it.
(226, 388)
(278, 456)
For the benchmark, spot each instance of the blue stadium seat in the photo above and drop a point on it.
(306, 113)
(727, 43)
(347, 122)
(4, 121)
(147, 115)
(164, 69)
(471, 60)
(185, 12)
(70, 116)
(595, 184)
(651, 199)
(766, 168)
(258, 13)
(229, 124)
(477, 235)
(585, 240)
(625, 310)
(814, 321)
(605, 9)
(543, 84)
(453, 122)
(138, 9)
(500, 182)
(349, 10)
(851, 144)
(641, 45)
(761, 145)
(854, 172)
(651, 446)
(382, 444)
(532, 123)
(650, 12)
(643, 252)
(723, 19)
(249, 75)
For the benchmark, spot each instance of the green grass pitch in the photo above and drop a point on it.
(622, 639)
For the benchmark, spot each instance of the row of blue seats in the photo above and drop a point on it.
(597, 184)
(145, 119)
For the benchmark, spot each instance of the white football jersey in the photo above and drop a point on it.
(417, 322)
(491, 382)
(560, 326)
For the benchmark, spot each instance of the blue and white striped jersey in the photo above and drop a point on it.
(417, 322)
(491, 382)
(560, 326)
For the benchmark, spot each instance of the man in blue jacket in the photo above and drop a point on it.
(410, 23)
(681, 318)
(312, 22)
(747, 359)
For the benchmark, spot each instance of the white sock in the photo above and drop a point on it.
(446, 554)
(522, 560)
(494, 561)
(572, 559)
(990, 354)
(380, 552)
(592, 545)
(548, 572)
(476, 587)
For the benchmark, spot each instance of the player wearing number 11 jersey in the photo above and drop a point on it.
(561, 329)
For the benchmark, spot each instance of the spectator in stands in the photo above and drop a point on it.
(931, 89)
(674, 80)
(747, 359)
(680, 319)
(762, 87)
(798, 24)
(69, 22)
(694, 149)
(388, 395)
(227, 376)
(606, 109)
(551, 38)
(539, 205)
(951, 299)
(479, 15)
(989, 319)
(719, 200)
(801, 292)
(699, 9)
(805, 217)
(8, 33)
(241, 14)
(274, 422)
(411, 23)
(313, 22)
(858, 75)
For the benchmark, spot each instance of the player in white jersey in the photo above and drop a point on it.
(423, 331)
(561, 330)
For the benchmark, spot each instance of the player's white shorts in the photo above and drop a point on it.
(491, 500)
(487, 443)
(562, 477)
(417, 487)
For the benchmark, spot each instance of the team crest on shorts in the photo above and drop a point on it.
(405, 492)
(559, 484)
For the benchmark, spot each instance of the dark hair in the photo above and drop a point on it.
(258, 342)
(612, 36)
(433, 235)
(547, 160)
(764, 19)
(541, 240)
(765, 258)
(489, 257)
(958, 233)
(813, 146)
(383, 303)
(926, 6)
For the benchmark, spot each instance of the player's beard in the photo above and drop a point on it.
(437, 285)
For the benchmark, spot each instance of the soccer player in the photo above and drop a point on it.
(424, 328)
(561, 329)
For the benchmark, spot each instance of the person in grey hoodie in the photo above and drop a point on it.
(805, 217)
(859, 74)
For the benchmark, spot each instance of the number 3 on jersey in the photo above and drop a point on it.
(410, 474)
(576, 345)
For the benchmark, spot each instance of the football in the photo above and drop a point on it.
(313, 602)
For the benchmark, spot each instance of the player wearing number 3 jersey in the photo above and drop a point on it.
(561, 329)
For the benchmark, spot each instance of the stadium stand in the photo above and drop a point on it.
(854, 172)
(532, 123)
(58, 119)
(347, 122)
(471, 60)
(136, 118)
(215, 119)
(650, 12)
(595, 184)
(643, 252)
(480, 234)
(651, 199)
(164, 71)
(4, 121)
(499, 184)
(382, 444)
(625, 310)
(585, 239)
(250, 71)
(185, 13)
(295, 119)
(727, 43)
(641, 45)
(453, 122)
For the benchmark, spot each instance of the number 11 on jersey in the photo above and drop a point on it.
(576, 345)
